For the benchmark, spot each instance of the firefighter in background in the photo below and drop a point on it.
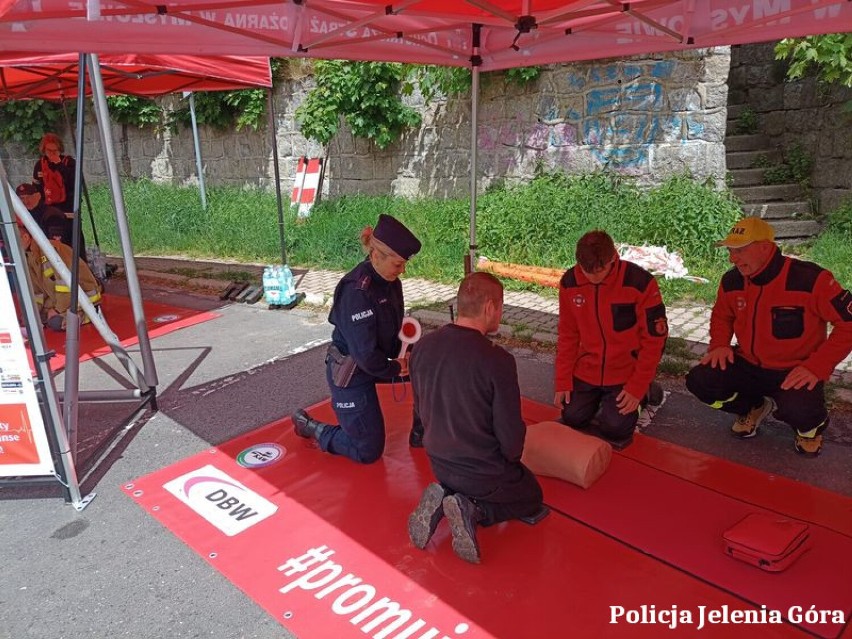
(51, 294)
(778, 309)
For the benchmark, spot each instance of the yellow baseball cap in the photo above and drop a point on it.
(746, 231)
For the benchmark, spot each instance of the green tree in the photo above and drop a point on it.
(830, 54)
(133, 110)
(25, 121)
(365, 94)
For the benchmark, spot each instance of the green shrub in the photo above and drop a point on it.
(746, 122)
(840, 220)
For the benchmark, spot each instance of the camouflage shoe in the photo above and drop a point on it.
(745, 426)
(808, 446)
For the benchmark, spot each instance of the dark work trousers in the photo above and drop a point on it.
(515, 494)
(742, 387)
(587, 400)
(361, 435)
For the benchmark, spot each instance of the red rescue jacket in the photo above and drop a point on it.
(780, 316)
(610, 333)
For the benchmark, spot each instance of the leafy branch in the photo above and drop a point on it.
(25, 121)
(830, 54)
(365, 94)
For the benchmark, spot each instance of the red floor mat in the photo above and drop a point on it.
(160, 318)
(682, 523)
(321, 544)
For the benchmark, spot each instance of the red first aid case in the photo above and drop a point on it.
(770, 542)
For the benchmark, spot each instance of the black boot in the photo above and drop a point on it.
(307, 427)
(415, 437)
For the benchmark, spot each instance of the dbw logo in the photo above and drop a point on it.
(221, 500)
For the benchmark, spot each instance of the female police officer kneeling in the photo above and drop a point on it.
(367, 315)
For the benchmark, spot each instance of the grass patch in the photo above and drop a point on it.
(673, 367)
(677, 358)
(538, 223)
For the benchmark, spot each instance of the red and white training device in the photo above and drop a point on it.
(408, 334)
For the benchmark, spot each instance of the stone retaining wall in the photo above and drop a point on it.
(800, 112)
(645, 117)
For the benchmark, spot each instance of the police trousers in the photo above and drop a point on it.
(743, 385)
(361, 436)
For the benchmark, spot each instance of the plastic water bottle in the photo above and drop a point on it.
(271, 287)
(287, 283)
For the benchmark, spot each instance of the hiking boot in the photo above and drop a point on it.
(305, 426)
(424, 520)
(745, 426)
(808, 446)
(462, 515)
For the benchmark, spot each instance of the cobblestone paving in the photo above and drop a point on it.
(526, 313)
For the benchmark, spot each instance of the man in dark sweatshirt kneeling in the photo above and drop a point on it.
(466, 391)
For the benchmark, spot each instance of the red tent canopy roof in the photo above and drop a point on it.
(55, 76)
(513, 33)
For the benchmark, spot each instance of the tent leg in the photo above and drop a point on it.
(199, 164)
(67, 472)
(273, 133)
(470, 263)
(102, 113)
(72, 322)
(64, 274)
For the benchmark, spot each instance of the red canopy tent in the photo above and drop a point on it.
(60, 76)
(54, 76)
(511, 33)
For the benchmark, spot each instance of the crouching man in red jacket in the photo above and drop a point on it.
(778, 309)
(612, 331)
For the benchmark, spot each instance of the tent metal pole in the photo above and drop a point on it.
(67, 472)
(273, 134)
(133, 289)
(85, 190)
(65, 275)
(475, 62)
(199, 164)
(72, 320)
(121, 395)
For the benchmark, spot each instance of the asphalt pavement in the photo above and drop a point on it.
(112, 571)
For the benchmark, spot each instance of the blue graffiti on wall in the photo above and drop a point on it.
(621, 121)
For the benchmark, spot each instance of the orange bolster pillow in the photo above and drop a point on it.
(555, 450)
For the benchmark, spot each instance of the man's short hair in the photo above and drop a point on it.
(55, 230)
(595, 250)
(26, 189)
(475, 290)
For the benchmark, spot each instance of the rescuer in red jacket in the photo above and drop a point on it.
(778, 309)
(612, 331)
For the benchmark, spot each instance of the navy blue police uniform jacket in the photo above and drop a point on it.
(367, 315)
